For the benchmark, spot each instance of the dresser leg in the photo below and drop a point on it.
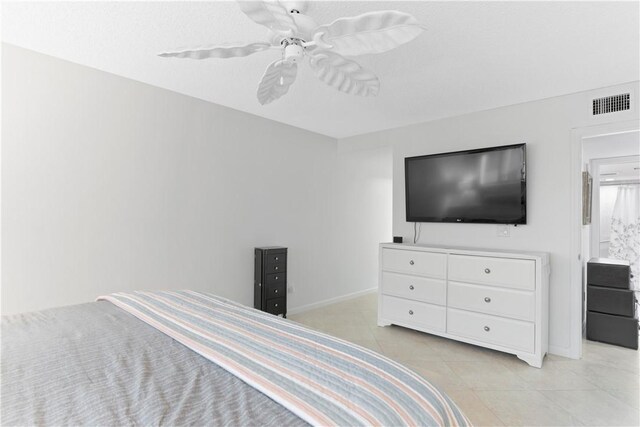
(534, 361)
(382, 322)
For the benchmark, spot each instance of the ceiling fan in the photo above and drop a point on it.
(297, 35)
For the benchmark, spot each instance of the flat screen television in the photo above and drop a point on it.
(487, 186)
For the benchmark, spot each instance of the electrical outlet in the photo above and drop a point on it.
(503, 231)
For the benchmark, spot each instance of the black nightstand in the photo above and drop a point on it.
(611, 303)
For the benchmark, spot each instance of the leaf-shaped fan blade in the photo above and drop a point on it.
(271, 14)
(218, 51)
(373, 32)
(276, 80)
(343, 74)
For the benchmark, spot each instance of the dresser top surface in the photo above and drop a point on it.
(272, 248)
(609, 261)
(467, 250)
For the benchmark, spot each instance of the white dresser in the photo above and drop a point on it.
(494, 299)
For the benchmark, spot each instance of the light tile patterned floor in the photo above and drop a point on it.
(495, 388)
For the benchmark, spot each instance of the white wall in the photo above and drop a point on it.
(608, 146)
(546, 128)
(109, 184)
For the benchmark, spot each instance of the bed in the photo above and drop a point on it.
(187, 358)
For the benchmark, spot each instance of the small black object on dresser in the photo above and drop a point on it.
(270, 280)
(611, 303)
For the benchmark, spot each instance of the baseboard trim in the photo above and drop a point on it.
(330, 301)
(562, 351)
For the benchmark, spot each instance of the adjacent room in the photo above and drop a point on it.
(290, 213)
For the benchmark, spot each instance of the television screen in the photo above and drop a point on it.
(476, 186)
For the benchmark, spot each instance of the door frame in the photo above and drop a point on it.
(575, 258)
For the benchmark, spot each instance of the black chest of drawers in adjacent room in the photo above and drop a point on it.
(270, 280)
(611, 303)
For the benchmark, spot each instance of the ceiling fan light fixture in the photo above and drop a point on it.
(293, 49)
(293, 53)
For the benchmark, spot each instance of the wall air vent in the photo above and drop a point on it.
(611, 104)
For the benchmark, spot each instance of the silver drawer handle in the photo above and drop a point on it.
(411, 287)
(487, 299)
(411, 312)
(276, 291)
(275, 268)
(487, 329)
(276, 277)
(411, 262)
(277, 305)
(276, 258)
(486, 270)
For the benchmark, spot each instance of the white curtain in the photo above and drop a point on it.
(625, 230)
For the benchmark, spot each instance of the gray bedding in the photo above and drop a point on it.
(95, 364)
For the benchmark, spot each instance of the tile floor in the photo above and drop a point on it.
(494, 388)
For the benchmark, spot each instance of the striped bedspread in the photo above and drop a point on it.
(322, 379)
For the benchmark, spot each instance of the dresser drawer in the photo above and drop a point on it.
(272, 258)
(493, 271)
(415, 262)
(513, 334)
(275, 278)
(279, 267)
(413, 313)
(276, 306)
(275, 291)
(415, 287)
(493, 300)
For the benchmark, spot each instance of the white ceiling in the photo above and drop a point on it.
(474, 55)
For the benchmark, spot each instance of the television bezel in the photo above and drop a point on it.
(522, 220)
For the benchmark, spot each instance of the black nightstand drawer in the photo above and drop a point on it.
(276, 306)
(621, 302)
(275, 291)
(276, 258)
(279, 267)
(610, 273)
(610, 329)
(275, 278)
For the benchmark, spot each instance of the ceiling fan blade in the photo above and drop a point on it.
(218, 51)
(276, 80)
(271, 14)
(343, 74)
(372, 32)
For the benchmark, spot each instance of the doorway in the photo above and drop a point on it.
(595, 149)
(614, 229)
